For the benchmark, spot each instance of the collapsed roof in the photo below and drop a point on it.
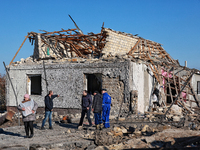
(108, 43)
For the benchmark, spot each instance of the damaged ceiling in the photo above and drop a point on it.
(167, 71)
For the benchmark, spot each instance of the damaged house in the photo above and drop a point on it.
(128, 66)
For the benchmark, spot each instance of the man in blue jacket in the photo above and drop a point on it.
(106, 108)
(86, 107)
(48, 109)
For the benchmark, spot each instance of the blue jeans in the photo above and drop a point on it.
(98, 119)
(48, 114)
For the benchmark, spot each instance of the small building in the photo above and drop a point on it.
(128, 66)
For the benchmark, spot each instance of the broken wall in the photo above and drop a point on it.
(194, 80)
(47, 48)
(117, 43)
(142, 82)
(67, 80)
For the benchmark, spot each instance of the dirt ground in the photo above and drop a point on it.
(126, 134)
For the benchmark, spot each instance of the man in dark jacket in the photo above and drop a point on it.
(86, 107)
(48, 109)
(97, 108)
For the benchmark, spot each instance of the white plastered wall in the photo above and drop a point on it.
(143, 83)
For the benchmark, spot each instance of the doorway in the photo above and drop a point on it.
(93, 82)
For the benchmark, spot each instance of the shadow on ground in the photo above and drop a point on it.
(10, 133)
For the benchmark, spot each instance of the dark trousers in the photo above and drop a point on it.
(28, 126)
(105, 115)
(98, 119)
(83, 115)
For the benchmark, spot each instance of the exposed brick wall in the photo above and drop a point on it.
(118, 43)
(115, 88)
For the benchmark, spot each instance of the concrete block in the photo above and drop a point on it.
(111, 117)
(121, 119)
(176, 118)
(124, 130)
(150, 139)
(117, 129)
(144, 129)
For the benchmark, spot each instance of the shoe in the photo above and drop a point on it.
(98, 127)
(80, 127)
(51, 128)
(101, 126)
(30, 136)
(42, 128)
(26, 136)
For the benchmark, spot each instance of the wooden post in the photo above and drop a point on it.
(181, 97)
(188, 80)
(175, 85)
(163, 98)
(45, 75)
(13, 91)
(170, 90)
(18, 50)
(194, 94)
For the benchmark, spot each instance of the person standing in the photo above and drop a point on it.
(48, 109)
(86, 108)
(106, 108)
(97, 109)
(28, 108)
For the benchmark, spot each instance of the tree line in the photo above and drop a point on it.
(2, 92)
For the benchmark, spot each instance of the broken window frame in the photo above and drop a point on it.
(28, 89)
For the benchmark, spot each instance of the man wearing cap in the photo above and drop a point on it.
(48, 109)
(106, 108)
(97, 109)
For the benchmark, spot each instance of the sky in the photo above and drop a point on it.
(173, 23)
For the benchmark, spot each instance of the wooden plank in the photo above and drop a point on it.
(181, 97)
(163, 97)
(153, 72)
(195, 95)
(133, 49)
(165, 89)
(188, 80)
(18, 50)
(155, 113)
(175, 85)
(170, 90)
(57, 31)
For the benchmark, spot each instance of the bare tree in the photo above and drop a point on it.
(2, 92)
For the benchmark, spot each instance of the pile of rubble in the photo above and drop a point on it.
(120, 136)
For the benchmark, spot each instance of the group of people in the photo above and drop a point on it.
(100, 105)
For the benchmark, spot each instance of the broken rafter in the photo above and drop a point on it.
(72, 40)
(18, 50)
(133, 49)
